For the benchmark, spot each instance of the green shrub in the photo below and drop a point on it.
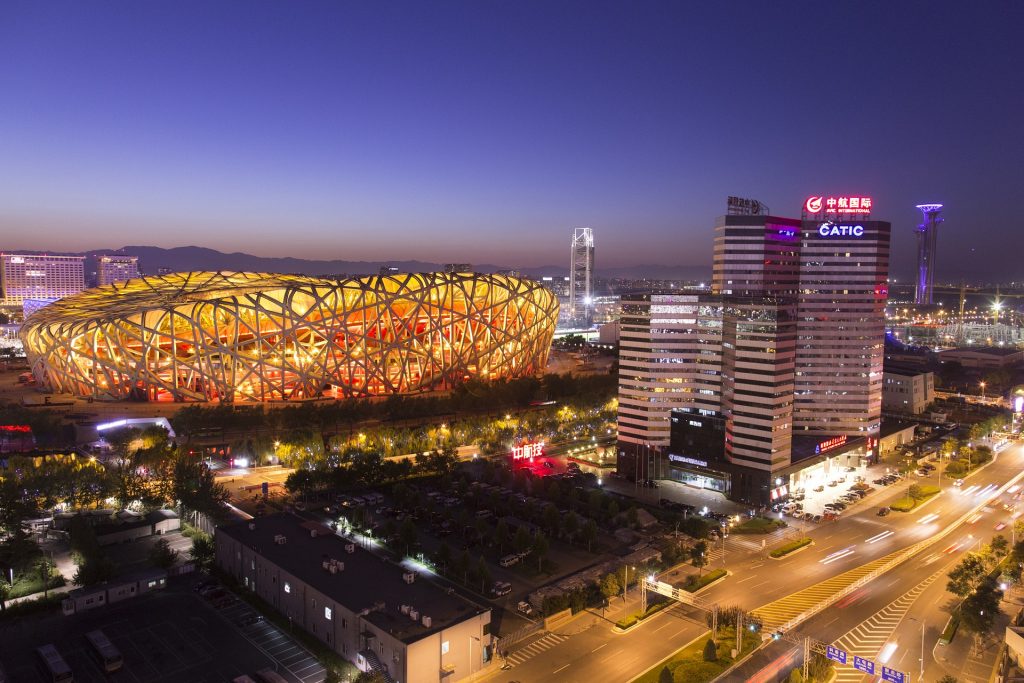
(787, 548)
(710, 651)
(695, 583)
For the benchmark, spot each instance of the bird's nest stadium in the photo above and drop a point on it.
(241, 337)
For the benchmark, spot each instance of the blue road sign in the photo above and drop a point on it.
(865, 665)
(893, 676)
(835, 654)
(265, 488)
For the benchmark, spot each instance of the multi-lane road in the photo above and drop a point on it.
(777, 590)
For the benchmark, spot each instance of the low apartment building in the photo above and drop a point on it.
(907, 390)
(379, 615)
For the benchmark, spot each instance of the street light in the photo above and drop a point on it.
(982, 390)
(920, 621)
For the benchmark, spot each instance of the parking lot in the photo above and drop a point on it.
(167, 636)
(269, 639)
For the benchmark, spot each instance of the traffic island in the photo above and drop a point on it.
(915, 499)
(690, 665)
(788, 548)
(758, 525)
(695, 584)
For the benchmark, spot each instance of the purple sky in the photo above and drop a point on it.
(484, 131)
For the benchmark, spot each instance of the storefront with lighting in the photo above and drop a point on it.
(696, 457)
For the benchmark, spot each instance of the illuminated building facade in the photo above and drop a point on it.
(927, 250)
(39, 277)
(116, 268)
(235, 337)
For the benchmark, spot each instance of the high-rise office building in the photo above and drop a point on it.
(116, 268)
(927, 250)
(581, 277)
(39, 278)
(670, 356)
(844, 271)
(795, 322)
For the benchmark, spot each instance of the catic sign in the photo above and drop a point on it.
(528, 451)
(829, 444)
(865, 665)
(834, 230)
(835, 654)
(824, 205)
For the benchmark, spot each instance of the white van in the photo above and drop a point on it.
(508, 560)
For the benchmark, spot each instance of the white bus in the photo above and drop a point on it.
(106, 654)
(52, 665)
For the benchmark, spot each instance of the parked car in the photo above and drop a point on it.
(525, 608)
(501, 588)
(250, 620)
(958, 483)
(819, 489)
(882, 511)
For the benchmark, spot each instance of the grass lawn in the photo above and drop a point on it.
(787, 548)
(906, 503)
(688, 665)
(758, 525)
(27, 584)
(694, 584)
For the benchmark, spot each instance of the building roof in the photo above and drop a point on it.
(890, 427)
(366, 581)
(987, 350)
(904, 371)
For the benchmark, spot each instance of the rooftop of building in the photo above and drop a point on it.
(988, 350)
(904, 370)
(366, 582)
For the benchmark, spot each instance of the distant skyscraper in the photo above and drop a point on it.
(116, 268)
(39, 277)
(581, 277)
(927, 246)
(458, 267)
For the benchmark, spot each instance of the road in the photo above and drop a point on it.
(859, 538)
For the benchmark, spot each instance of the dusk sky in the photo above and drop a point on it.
(485, 131)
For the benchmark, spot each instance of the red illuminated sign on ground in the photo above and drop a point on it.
(528, 451)
(820, 205)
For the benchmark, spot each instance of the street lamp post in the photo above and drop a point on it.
(982, 391)
(920, 621)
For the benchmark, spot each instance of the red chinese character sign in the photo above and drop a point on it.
(821, 205)
(528, 451)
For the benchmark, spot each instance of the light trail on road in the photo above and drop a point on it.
(878, 537)
(928, 518)
(838, 555)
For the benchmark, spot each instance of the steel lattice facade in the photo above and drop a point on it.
(236, 337)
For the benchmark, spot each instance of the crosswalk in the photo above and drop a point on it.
(774, 614)
(868, 638)
(535, 648)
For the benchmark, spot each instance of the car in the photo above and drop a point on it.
(524, 608)
(882, 511)
(819, 489)
(650, 484)
(549, 465)
(833, 483)
(816, 518)
(839, 505)
(250, 620)
(209, 584)
(958, 483)
(501, 588)
(879, 482)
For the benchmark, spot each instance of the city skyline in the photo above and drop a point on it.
(491, 133)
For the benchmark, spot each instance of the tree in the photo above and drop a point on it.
(613, 510)
(540, 549)
(966, 575)
(162, 555)
(465, 563)
(589, 533)
(407, 535)
(444, 556)
(999, 546)
(699, 555)
(371, 677)
(203, 550)
(795, 676)
(979, 610)
(571, 525)
(949, 679)
(710, 651)
(551, 518)
(501, 535)
(5, 590)
(665, 676)
(522, 540)
(915, 492)
(610, 586)
(483, 572)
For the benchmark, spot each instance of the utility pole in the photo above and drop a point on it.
(714, 622)
(807, 658)
(739, 632)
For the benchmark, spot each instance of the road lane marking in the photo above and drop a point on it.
(838, 555)
(878, 537)
(598, 648)
(560, 669)
(749, 578)
(928, 518)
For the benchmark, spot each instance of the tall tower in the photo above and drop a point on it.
(927, 237)
(581, 277)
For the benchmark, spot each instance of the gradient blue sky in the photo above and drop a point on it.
(484, 131)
